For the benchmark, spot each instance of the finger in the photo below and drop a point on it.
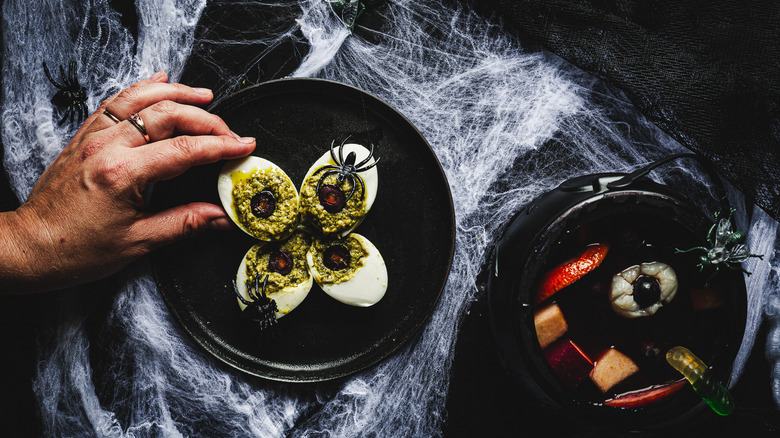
(134, 99)
(99, 120)
(180, 222)
(158, 78)
(166, 119)
(170, 158)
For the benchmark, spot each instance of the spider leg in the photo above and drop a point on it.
(736, 267)
(731, 212)
(64, 116)
(82, 110)
(63, 77)
(333, 153)
(74, 80)
(744, 257)
(370, 154)
(251, 288)
(327, 166)
(322, 178)
(238, 294)
(352, 190)
(265, 285)
(362, 187)
(680, 251)
(51, 79)
(341, 151)
(363, 169)
(257, 293)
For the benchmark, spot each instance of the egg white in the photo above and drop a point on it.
(366, 287)
(286, 299)
(370, 177)
(247, 165)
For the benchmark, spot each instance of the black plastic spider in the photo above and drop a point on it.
(261, 309)
(346, 168)
(72, 95)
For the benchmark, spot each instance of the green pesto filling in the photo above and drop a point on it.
(285, 216)
(257, 262)
(356, 251)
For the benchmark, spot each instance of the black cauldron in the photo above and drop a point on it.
(529, 241)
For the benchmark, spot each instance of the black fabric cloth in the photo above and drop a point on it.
(706, 72)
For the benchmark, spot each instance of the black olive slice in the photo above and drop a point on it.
(336, 257)
(647, 291)
(331, 198)
(263, 204)
(280, 261)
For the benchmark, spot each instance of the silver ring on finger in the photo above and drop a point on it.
(138, 122)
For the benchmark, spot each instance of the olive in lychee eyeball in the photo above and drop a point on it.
(259, 197)
(339, 189)
(284, 264)
(642, 290)
(349, 269)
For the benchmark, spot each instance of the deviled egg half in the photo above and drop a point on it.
(259, 197)
(339, 189)
(284, 264)
(349, 269)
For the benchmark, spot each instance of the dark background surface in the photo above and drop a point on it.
(482, 400)
(706, 72)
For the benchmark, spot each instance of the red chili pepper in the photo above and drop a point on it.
(571, 271)
(641, 398)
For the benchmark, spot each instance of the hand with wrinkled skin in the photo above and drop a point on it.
(85, 218)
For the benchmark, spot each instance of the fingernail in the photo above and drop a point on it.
(202, 91)
(246, 139)
(220, 223)
(157, 76)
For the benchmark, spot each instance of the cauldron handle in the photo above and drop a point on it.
(632, 177)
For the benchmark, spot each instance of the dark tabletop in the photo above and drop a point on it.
(482, 400)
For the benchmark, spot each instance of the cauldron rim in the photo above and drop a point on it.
(525, 366)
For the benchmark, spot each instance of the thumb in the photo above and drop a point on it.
(183, 222)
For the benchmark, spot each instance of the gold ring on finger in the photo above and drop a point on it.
(138, 122)
(111, 116)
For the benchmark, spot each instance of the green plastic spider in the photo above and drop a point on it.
(348, 11)
(727, 247)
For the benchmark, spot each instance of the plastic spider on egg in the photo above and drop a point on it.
(261, 308)
(346, 169)
(727, 247)
(71, 94)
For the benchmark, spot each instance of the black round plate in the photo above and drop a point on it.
(411, 223)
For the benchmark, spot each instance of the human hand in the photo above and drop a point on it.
(85, 217)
